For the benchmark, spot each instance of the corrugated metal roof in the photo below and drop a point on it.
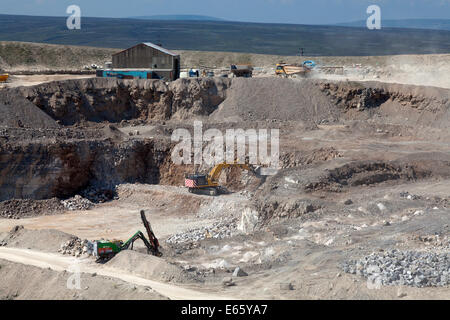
(154, 46)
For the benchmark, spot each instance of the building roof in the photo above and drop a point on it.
(154, 46)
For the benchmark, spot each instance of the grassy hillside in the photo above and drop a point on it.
(22, 55)
(277, 39)
(39, 56)
(185, 17)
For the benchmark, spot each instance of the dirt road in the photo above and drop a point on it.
(60, 263)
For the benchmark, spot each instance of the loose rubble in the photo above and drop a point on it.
(76, 247)
(395, 267)
(77, 203)
(228, 282)
(24, 208)
(98, 195)
(409, 196)
(219, 230)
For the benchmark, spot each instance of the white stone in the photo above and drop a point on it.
(249, 220)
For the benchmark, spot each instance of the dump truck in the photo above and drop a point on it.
(104, 250)
(241, 70)
(209, 183)
(292, 70)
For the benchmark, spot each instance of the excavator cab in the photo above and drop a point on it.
(199, 183)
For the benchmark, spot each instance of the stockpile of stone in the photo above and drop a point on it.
(218, 230)
(77, 203)
(98, 195)
(23, 208)
(407, 195)
(395, 267)
(76, 247)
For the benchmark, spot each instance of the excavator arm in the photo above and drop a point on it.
(139, 235)
(214, 175)
(152, 244)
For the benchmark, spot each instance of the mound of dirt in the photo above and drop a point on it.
(23, 282)
(19, 112)
(24, 208)
(318, 101)
(147, 266)
(45, 240)
(272, 98)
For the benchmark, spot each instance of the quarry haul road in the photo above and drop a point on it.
(61, 263)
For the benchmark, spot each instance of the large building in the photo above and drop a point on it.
(148, 57)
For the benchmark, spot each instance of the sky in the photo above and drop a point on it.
(269, 11)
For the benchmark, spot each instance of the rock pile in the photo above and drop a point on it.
(76, 247)
(219, 230)
(77, 203)
(412, 268)
(407, 195)
(23, 208)
(99, 195)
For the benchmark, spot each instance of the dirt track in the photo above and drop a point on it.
(59, 263)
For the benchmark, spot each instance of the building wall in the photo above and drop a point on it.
(142, 56)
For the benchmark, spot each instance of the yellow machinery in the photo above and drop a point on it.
(209, 183)
(288, 70)
(4, 77)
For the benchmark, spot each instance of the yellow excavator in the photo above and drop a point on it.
(209, 183)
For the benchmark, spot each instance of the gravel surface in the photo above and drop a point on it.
(412, 268)
(219, 230)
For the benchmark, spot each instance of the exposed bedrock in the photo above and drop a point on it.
(99, 99)
(45, 170)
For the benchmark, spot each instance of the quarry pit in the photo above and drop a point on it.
(364, 167)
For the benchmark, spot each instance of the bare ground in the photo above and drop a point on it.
(364, 168)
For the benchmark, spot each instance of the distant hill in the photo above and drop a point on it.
(225, 36)
(433, 24)
(183, 17)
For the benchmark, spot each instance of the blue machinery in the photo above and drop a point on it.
(309, 64)
(127, 74)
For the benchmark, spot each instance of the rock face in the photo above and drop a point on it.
(102, 99)
(402, 104)
(46, 170)
(249, 220)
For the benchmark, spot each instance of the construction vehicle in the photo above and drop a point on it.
(209, 183)
(243, 70)
(293, 70)
(105, 250)
(4, 77)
